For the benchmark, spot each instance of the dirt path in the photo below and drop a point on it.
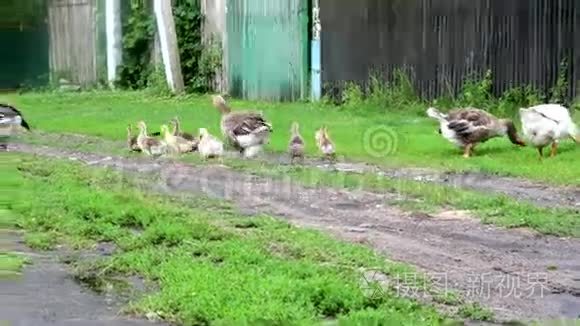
(46, 294)
(521, 189)
(518, 274)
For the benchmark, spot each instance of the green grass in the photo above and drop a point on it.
(211, 265)
(11, 264)
(475, 312)
(411, 139)
(427, 197)
(497, 209)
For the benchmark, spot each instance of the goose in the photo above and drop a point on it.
(324, 143)
(467, 127)
(296, 145)
(246, 131)
(176, 144)
(10, 120)
(177, 130)
(132, 140)
(209, 146)
(149, 145)
(185, 135)
(548, 123)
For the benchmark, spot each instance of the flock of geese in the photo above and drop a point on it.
(248, 131)
(245, 131)
(542, 125)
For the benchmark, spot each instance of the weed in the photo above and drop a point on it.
(559, 91)
(448, 298)
(41, 241)
(474, 311)
(477, 93)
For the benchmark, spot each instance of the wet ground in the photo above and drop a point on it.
(517, 273)
(46, 294)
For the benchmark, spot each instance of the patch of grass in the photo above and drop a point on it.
(389, 136)
(41, 241)
(497, 209)
(11, 264)
(475, 311)
(448, 298)
(211, 265)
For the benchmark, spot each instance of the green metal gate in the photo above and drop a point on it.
(267, 49)
(24, 58)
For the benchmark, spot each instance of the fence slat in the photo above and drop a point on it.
(441, 43)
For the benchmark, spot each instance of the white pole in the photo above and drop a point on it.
(114, 38)
(168, 41)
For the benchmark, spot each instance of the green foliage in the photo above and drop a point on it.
(157, 83)
(29, 11)
(476, 93)
(395, 95)
(400, 95)
(198, 62)
(559, 91)
(475, 311)
(138, 35)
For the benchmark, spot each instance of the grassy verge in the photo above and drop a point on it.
(497, 209)
(11, 264)
(415, 195)
(211, 265)
(391, 139)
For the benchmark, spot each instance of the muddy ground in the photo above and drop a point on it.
(538, 193)
(47, 294)
(517, 273)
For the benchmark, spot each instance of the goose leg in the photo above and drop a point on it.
(467, 150)
(554, 149)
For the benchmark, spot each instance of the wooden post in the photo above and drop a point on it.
(168, 42)
(114, 38)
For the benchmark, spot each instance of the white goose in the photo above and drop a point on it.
(209, 146)
(548, 123)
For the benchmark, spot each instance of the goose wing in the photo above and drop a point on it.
(8, 111)
(246, 123)
(467, 121)
(9, 114)
(553, 112)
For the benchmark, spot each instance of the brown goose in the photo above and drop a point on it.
(296, 146)
(247, 131)
(324, 143)
(178, 132)
(132, 140)
(468, 127)
(150, 145)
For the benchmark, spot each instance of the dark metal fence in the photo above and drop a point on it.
(440, 43)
